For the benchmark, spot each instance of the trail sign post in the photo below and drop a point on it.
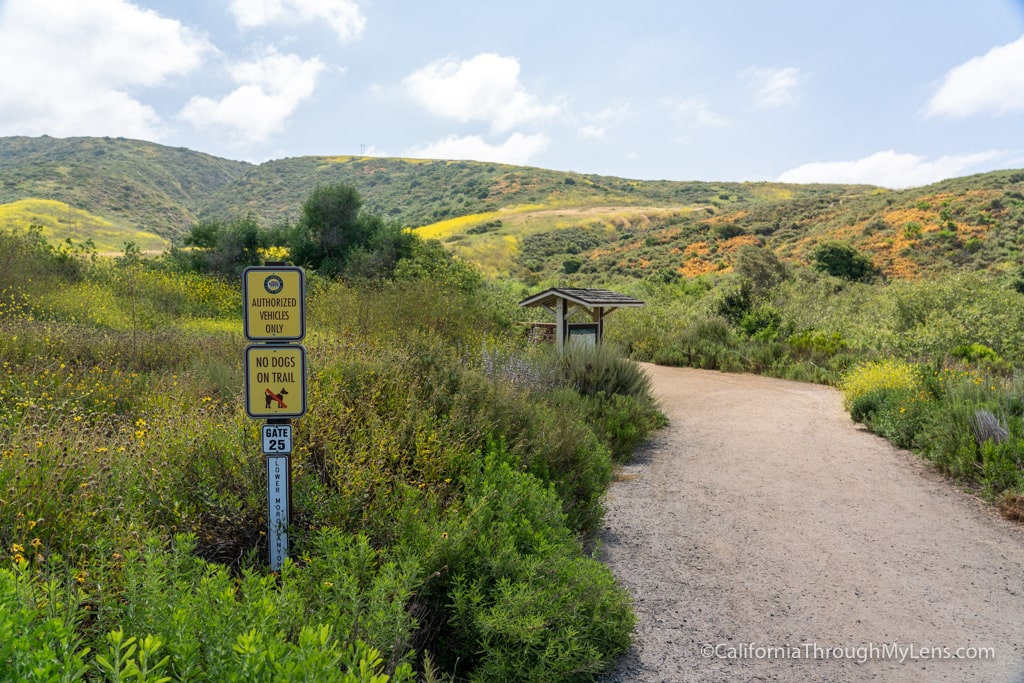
(275, 382)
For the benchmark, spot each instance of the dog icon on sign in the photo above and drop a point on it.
(279, 398)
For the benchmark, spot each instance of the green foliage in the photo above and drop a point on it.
(26, 257)
(762, 268)
(223, 247)
(441, 500)
(333, 235)
(591, 370)
(528, 605)
(428, 261)
(842, 260)
(946, 415)
(38, 628)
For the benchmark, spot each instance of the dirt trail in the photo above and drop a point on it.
(765, 528)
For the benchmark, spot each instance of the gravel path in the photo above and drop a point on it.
(766, 529)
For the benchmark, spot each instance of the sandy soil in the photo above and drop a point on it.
(767, 530)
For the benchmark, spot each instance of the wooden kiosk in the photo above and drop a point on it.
(565, 303)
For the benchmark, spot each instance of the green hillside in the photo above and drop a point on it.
(421, 192)
(535, 224)
(131, 184)
(57, 222)
(963, 224)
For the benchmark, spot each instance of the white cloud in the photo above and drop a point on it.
(774, 87)
(597, 124)
(517, 149)
(992, 83)
(343, 16)
(72, 63)
(888, 169)
(484, 88)
(694, 112)
(270, 89)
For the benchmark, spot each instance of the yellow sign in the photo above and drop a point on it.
(275, 380)
(275, 303)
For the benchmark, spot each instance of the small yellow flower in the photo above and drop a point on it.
(17, 548)
(36, 543)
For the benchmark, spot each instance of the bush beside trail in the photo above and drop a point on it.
(446, 484)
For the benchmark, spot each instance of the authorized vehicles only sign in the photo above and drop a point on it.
(275, 303)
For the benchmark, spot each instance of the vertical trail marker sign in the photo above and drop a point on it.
(278, 501)
(275, 382)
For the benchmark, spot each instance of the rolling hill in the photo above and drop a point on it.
(531, 223)
(133, 185)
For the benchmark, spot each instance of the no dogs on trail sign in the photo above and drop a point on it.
(275, 380)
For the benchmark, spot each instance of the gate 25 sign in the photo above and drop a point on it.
(277, 439)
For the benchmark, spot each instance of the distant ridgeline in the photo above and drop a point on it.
(513, 221)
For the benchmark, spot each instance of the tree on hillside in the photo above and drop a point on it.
(761, 267)
(223, 247)
(337, 239)
(842, 260)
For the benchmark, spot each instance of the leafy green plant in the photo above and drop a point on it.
(842, 260)
(602, 369)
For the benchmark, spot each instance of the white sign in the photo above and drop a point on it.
(277, 510)
(277, 439)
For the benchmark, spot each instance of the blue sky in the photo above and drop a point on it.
(888, 92)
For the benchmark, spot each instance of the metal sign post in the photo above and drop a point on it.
(275, 382)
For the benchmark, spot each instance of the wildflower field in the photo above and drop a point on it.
(447, 481)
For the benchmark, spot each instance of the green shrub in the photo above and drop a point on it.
(39, 623)
(591, 370)
(874, 376)
(525, 603)
(842, 260)
(624, 422)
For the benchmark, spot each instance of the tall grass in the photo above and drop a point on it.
(443, 506)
